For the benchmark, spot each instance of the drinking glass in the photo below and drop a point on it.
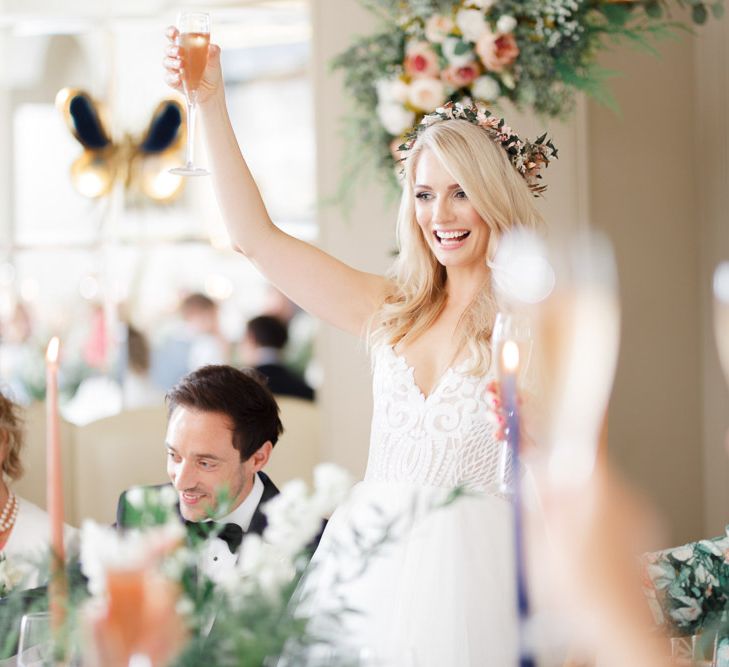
(193, 40)
(36, 646)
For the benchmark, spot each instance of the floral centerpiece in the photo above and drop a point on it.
(688, 587)
(143, 592)
(534, 53)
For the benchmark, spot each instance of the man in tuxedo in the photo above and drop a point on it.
(222, 425)
(261, 348)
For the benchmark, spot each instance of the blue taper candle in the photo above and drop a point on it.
(510, 402)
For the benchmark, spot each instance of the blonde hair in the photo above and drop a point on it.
(502, 199)
(11, 437)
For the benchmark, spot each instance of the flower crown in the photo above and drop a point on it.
(527, 157)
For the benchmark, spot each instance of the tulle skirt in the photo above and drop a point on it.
(406, 578)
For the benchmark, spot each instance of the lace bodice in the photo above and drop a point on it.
(443, 440)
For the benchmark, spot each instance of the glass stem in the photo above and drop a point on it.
(190, 146)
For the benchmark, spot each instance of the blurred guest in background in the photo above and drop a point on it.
(262, 348)
(24, 527)
(194, 341)
(138, 390)
(21, 367)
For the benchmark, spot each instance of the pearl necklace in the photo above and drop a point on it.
(9, 513)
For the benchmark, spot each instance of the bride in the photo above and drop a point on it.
(440, 591)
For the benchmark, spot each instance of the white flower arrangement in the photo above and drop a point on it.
(11, 575)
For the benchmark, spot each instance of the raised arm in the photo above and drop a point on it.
(319, 283)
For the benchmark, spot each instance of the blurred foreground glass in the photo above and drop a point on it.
(569, 292)
(579, 341)
(193, 40)
(35, 647)
(721, 315)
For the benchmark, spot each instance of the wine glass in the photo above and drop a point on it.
(579, 339)
(721, 315)
(193, 40)
(36, 646)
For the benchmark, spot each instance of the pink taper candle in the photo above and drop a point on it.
(54, 486)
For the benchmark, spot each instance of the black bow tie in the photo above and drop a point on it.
(230, 533)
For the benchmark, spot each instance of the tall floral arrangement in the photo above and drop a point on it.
(687, 588)
(534, 53)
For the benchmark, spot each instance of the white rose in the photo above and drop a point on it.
(437, 28)
(135, 497)
(682, 553)
(506, 24)
(392, 90)
(427, 94)
(486, 88)
(168, 496)
(457, 52)
(686, 614)
(331, 486)
(483, 4)
(508, 80)
(472, 23)
(395, 118)
(293, 519)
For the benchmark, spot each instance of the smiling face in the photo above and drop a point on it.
(451, 226)
(202, 462)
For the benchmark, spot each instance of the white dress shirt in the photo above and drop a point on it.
(216, 559)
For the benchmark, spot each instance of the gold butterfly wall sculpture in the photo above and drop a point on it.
(141, 163)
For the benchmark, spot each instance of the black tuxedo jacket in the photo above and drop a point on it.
(282, 382)
(258, 521)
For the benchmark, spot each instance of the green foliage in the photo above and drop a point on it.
(558, 44)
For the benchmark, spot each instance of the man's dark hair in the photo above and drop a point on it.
(197, 302)
(267, 331)
(242, 396)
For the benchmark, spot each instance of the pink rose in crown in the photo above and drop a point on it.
(458, 77)
(421, 61)
(497, 51)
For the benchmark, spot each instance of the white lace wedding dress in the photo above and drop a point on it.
(439, 588)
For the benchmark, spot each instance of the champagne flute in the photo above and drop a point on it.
(193, 40)
(36, 646)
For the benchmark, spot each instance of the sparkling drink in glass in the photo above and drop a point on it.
(193, 40)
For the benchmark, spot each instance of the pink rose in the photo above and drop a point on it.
(497, 51)
(421, 61)
(458, 77)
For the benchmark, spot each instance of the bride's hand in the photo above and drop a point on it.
(212, 79)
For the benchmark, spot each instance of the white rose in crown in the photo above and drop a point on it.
(427, 94)
(457, 52)
(486, 88)
(395, 118)
(471, 23)
(392, 91)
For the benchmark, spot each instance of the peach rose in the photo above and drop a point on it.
(421, 61)
(497, 51)
(427, 94)
(458, 77)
